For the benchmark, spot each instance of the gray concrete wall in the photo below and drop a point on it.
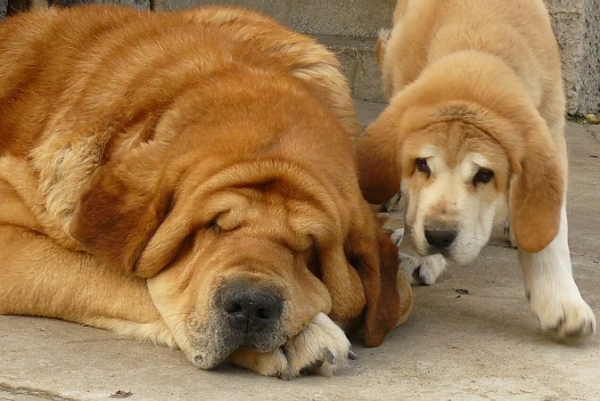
(3, 8)
(589, 97)
(140, 4)
(352, 18)
(350, 26)
(576, 24)
(577, 27)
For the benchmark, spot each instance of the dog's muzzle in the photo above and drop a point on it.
(248, 308)
(251, 314)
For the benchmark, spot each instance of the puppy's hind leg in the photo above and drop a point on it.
(551, 289)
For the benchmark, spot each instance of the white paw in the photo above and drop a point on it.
(422, 270)
(567, 317)
(321, 348)
(419, 270)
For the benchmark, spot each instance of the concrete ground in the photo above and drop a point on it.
(484, 345)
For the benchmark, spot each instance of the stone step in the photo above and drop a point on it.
(350, 28)
(359, 62)
(336, 24)
(316, 17)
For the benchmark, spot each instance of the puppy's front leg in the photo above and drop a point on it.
(551, 289)
(418, 270)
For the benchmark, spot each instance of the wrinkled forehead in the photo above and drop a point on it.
(455, 142)
(295, 222)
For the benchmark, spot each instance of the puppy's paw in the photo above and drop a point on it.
(321, 348)
(568, 318)
(422, 270)
(418, 270)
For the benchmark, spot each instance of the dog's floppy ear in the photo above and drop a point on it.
(537, 191)
(377, 151)
(114, 220)
(389, 296)
(387, 292)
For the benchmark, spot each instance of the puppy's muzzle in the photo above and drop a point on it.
(251, 312)
(440, 237)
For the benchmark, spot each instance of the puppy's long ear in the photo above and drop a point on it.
(114, 220)
(537, 192)
(377, 150)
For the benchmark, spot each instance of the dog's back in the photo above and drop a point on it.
(42, 82)
(517, 32)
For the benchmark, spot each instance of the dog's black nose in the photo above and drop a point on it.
(440, 238)
(249, 307)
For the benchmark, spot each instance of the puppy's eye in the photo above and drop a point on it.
(422, 166)
(483, 176)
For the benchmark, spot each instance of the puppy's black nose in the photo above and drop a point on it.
(440, 238)
(249, 307)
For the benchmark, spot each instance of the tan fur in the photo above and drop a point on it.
(495, 66)
(147, 161)
(475, 87)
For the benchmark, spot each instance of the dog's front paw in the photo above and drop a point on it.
(321, 348)
(569, 319)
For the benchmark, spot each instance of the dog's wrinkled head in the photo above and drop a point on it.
(247, 225)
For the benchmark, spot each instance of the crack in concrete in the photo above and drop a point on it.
(32, 392)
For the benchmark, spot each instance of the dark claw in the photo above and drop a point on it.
(420, 279)
(313, 367)
(329, 357)
(416, 274)
(352, 356)
(285, 376)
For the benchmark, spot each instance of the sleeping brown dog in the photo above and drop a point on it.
(188, 179)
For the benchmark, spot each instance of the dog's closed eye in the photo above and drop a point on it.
(483, 176)
(213, 225)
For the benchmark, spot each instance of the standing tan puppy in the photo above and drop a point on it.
(473, 132)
